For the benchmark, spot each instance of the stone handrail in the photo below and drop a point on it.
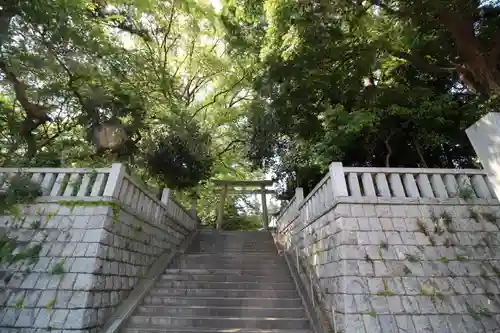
(417, 183)
(290, 212)
(67, 182)
(92, 184)
(359, 182)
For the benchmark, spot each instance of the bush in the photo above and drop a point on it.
(20, 190)
(181, 160)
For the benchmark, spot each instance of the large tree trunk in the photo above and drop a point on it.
(479, 71)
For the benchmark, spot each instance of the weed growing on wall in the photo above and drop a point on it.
(20, 190)
(386, 291)
(465, 192)
(421, 227)
(72, 204)
(474, 215)
(58, 268)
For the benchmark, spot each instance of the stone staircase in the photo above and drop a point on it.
(226, 282)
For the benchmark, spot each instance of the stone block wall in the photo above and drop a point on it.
(406, 265)
(87, 258)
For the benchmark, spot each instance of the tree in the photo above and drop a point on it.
(146, 82)
(60, 63)
(333, 87)
(466, 29)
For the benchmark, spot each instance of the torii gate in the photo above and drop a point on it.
(243, 183)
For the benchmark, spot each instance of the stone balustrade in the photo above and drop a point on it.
(400, 250)
(91, 237)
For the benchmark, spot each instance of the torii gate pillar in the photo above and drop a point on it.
(243, 183)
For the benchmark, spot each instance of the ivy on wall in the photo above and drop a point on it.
(20, 190)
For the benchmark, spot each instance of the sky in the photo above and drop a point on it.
(217, 4)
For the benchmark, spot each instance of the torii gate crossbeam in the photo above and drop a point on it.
(243, 183)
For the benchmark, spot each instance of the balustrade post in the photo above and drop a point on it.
(339, 185)
(484, 135)
(115, 177)
(165, 196)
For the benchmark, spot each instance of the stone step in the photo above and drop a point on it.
(235, 258)
(221, 322)
(225, 265)
(225, 282)
(224, 248)
(259, 239)
(234, 239)
(225, 285)
(205, 311)
(236, 242)
(292, 302)
(226, 278)
(277, 273)
(223, 292)
(234, 232)
(243, 258)
(221, 249)
(208, 239)
(233, 255)
(161, 329)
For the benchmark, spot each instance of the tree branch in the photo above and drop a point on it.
(33, 110)
(421, 63)
(389, 10)
(233, 101)
(419, 152)
(389, 151)
(229, 146)
(214, 100)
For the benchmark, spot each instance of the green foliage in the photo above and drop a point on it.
(115, 207)
(30, 254)
(412, 257)
(50, 305)
(7, 247)
(58, 268)
(35, 224)
(386, 291)
(182, 160)
(184, 95)
(20, 190)
(20, 304)
(465, 193)
(12, 251)
(162, 95)
(422, 228)
(446, 218)
(236, 219)
(351, 82)
(444, 260)
(430, 291)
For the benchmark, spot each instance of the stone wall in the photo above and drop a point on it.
(405, 265)
(91, 254)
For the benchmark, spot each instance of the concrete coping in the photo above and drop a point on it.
(414, 201)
